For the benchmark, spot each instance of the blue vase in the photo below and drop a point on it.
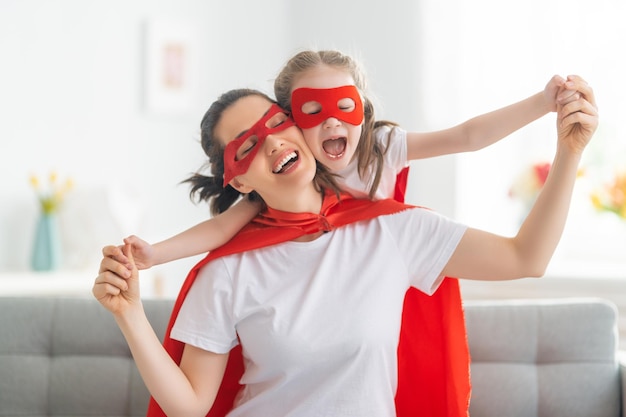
(46, 254)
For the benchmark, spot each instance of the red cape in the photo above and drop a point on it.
(433, 356)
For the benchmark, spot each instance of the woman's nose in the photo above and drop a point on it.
(272, 144)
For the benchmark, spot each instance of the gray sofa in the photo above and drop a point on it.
(66, 357)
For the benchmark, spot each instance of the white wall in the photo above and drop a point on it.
(71, 98)
(71, 101)
(486, 54)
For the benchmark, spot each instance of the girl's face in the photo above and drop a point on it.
(333, 142)
(280, 165)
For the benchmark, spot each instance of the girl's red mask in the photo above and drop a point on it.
(328, 99)
(233, 166)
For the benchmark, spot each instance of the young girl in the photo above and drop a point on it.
(371, 158)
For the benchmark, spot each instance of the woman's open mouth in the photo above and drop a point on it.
(285, 163)
(335, 148)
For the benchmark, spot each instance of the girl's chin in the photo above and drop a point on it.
(335, 163)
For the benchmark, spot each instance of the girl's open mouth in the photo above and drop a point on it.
(335, 148)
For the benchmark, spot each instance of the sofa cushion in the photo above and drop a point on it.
(67, 357)
(543, 358)
(549, 358)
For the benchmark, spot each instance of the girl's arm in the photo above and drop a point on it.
(486, 129)
(485, 256)
(201, 238)
(188, 390)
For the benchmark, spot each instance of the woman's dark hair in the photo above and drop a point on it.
(210, 188)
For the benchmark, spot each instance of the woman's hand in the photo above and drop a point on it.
(577, 120)
(117, 285)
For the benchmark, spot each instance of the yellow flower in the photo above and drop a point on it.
(51, 197)
(34, 181)
(596, 201)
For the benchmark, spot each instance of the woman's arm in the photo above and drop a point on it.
(485, 256)
(201, 238)
(188, 390)
(484, 130)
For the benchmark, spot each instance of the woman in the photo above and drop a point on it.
(318, 316)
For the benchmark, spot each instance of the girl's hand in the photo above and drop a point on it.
(577, 119)
(556, 93)
(117, 285)
(143, 252)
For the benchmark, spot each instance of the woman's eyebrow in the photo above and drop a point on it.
(243, 132)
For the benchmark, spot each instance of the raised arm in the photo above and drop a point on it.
(486, 129)
(485, 256)
(188, 390)
(201, 238)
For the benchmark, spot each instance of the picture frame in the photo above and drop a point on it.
(170, 66)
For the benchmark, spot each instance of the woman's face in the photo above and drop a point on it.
(275, 166)
(333, 141)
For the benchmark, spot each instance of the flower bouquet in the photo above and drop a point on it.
(50, 195)
(611, 196)
(46, 255)
(529, 182)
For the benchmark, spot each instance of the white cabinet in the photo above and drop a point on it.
(63, 283)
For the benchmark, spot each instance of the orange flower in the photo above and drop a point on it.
(611, 196)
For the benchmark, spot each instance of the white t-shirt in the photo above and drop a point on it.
(319, 321)
(395, 160)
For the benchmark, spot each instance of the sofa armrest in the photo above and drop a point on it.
(621, 355)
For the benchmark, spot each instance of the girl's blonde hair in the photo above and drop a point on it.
(369, 151)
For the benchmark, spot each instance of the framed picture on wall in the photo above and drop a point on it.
(170, 66)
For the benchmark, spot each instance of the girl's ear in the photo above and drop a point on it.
(242, 188)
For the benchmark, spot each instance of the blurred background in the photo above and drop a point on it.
(83, 98)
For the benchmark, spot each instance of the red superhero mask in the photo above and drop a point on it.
(266, 125)
(328, 100)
